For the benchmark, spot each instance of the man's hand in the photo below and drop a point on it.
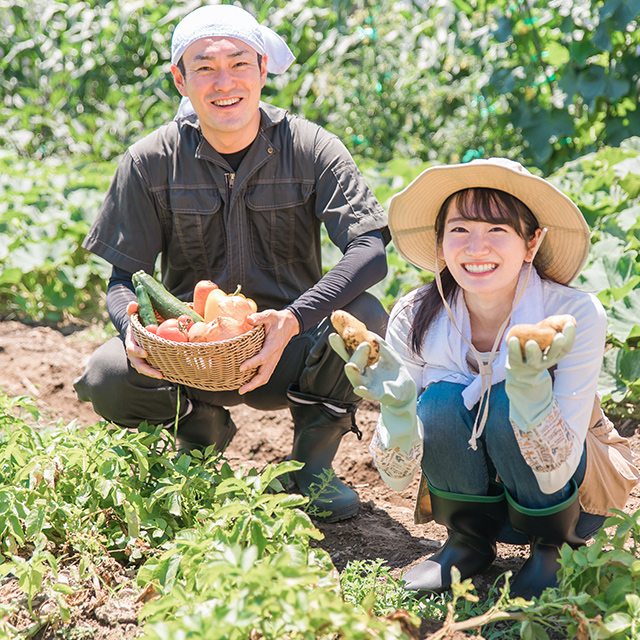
(136, 354)
(280, 327)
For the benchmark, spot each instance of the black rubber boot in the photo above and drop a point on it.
(204, 425)
(319, 425)
(547, 529)
(473, 523)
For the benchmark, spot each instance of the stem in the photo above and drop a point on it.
(35, 627)
(526, 11)
(493, 615)
(175, 424)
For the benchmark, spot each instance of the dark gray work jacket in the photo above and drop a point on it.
(173, 195)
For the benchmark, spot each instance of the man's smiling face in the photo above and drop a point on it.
(223, 80)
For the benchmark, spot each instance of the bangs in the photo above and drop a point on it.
(493, 206)
(488, 205)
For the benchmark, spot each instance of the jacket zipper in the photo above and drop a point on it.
(230, 178)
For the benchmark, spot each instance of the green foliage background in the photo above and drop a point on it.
(442, 81)
(554, 84)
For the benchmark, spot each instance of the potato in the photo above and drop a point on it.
(543, 332)
(524, 332)
(353, 332)
(557, 322)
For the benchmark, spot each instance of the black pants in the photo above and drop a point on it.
(125, 397)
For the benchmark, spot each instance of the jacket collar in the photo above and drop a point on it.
(269, 116)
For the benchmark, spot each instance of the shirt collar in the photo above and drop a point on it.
(269, 116)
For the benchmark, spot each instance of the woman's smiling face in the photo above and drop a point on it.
(484, 253)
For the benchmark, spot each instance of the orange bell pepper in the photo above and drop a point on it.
(234, 306)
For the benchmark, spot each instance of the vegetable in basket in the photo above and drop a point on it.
(165, 303)
(233, 305)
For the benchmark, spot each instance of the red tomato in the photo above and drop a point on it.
(171, 329)
(185, 323)
(152, 328)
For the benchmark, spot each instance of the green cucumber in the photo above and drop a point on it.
(165, 303)
(145, 308)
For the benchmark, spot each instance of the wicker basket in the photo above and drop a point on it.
(212, 366)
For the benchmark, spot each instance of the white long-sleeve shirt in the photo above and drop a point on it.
(443, 357)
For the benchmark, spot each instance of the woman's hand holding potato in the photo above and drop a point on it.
(530, 355)
(543, 333)
(353, 333)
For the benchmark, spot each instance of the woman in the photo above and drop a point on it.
(506, 454)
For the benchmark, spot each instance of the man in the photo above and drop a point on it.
(235, 190)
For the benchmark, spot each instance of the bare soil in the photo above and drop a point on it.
(42, 362)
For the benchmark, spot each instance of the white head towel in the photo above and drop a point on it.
(231, 22)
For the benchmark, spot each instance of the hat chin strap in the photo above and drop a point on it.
(486, 369)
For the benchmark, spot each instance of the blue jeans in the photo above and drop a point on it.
(450, 464)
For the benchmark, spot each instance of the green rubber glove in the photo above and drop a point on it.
(397, 444)
(387, 381)
(528, 383)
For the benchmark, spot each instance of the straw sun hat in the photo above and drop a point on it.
(413, 212)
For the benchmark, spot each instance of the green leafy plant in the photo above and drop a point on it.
(31, 572)
(606, 187)
(217, 590)
(223, 549)
(606, 576)
(562, 76)
(369, 585)
(45, 211)
(596, 596)
(445, 81)
(83, 77)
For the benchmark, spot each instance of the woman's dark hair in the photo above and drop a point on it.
(487, 205)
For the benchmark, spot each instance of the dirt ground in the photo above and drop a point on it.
(42, 362)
